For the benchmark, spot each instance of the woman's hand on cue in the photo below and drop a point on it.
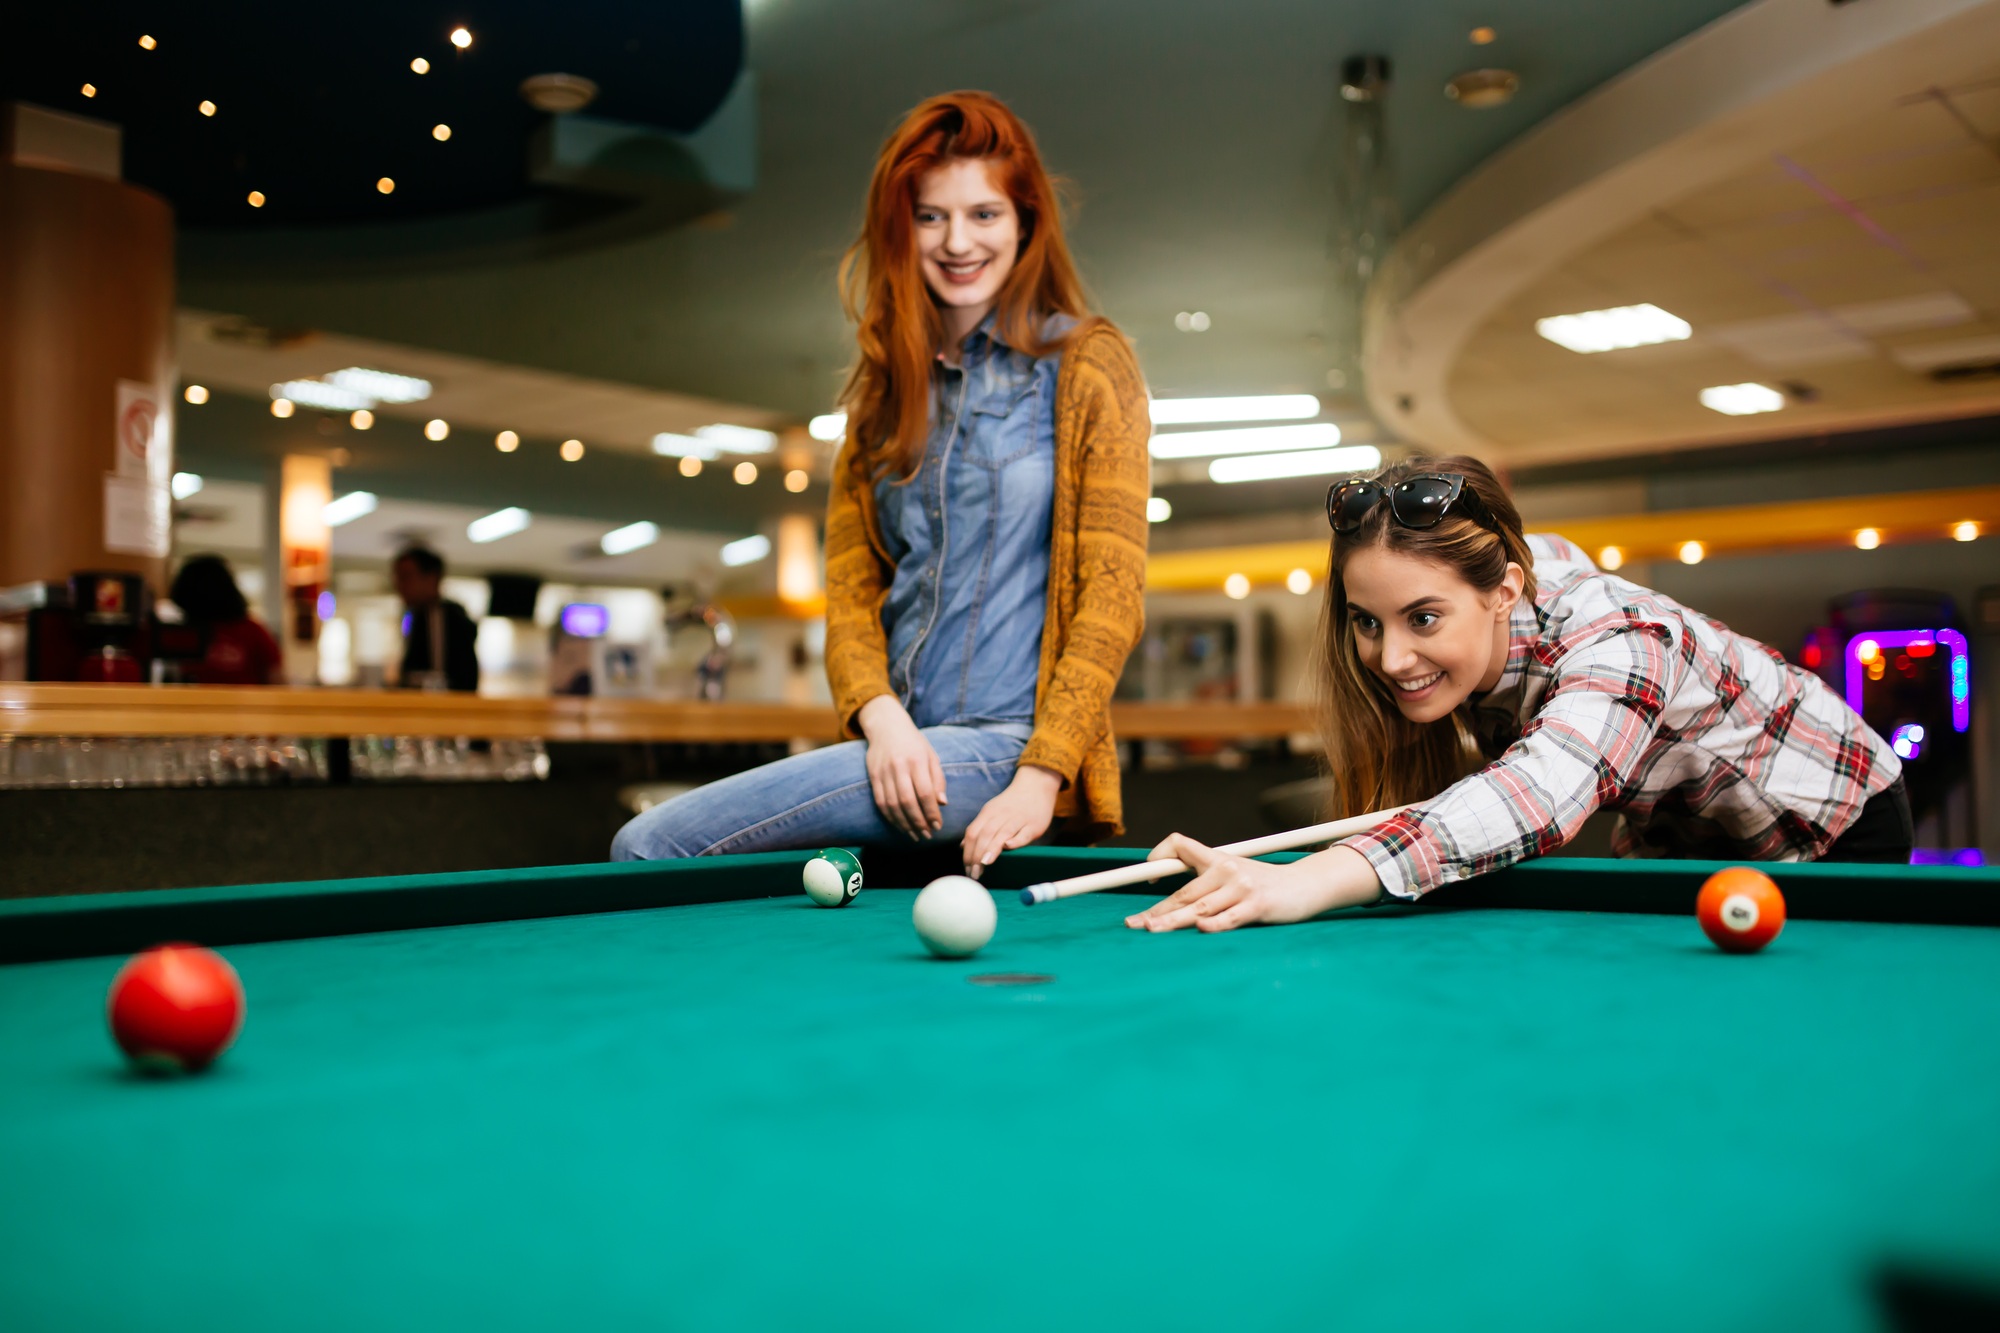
(1230, 891)
(903, 770)
(1014, 818)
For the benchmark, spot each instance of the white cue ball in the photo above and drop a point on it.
(954, 916)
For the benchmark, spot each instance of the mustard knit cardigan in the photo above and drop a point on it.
(1097, 580)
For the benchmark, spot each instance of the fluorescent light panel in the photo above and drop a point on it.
(738, 439)
(828, 428)
(631, 537)
(1741, 400)
(670, 445)
(746, 550)
(1260, 407)
(500, 523)
(1609, 330)
(380, 385)
(1247, 440)
(353, 505)
(316, 393)
(185, 484)
(1307, 463)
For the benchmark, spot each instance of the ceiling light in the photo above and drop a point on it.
(558, 94)
(690, 466)
(797, 480)
(185, 484)
(256, 198)
(828, 428)
(631, 537)
(420, 66)
(437, 428)
(89, 90)
(1692, 553)
(361, 419)
(506, 442)
(380, 385)
(1741, 400)
(1967, 531)
(1237, 586)
(738, 439)
(1244, 440)
(684, 446)
(147, 43)
(1260, 407)
(461, 38)
(1299, 581)
(1611, 558)
(195, 394)
(1867, 539)
(281, 408)
(441, 132)
(1158, 510)
(353, 505)
(571, 450)
(1307, 463)
(207, 108)
(1192, 321)
(1483, 36)
(500, 523)
(746, 551)
(745, 473)
(1609, 330)
(318, 393)
(385, 186)
(1483, 89)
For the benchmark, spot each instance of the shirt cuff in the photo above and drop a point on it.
(1404, 856)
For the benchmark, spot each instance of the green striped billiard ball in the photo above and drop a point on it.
(833, 877)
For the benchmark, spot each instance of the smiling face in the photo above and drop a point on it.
(968, 235)
(1420, 627)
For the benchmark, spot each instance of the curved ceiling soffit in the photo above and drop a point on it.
(1732, 94)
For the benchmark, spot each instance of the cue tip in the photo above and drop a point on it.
(1034, 894)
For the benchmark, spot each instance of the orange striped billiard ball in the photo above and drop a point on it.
(175, 1008)
(1740, 909)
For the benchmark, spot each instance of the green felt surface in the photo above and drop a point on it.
(760, 1114)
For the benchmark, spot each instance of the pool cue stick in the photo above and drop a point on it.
(1142, 871)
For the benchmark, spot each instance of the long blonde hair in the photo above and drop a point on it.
(1375, 756)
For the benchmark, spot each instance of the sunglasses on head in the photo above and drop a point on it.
(1415, 502)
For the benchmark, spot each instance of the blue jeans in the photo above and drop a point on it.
(819, 799)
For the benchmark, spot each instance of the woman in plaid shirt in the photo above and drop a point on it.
(1505, 688)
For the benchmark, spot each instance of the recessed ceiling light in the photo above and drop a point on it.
(437, 428)
(1237, 586)
(185, 484)
(797, 480)
(1483, 36)
(281, 408)
(385, 186)
(690, 466)
(195, 394)
(461, 38)
(256, 198)
(440, 132)
(571, 450)
(828, 428)
(353, 505)
(1244, 440)
(746, 550)
(147, 43)
(1299, 581)
(1741, 400)
(361, 419)
(1192, 321)
(1610, 330)
(745, 473)
(1867, 539)
(500, 523)
(506, 442)
(207, 108)
(1482, 89)
(1692, 553)
(420, 66)
(631, 537)
(1258, 407)
(1158, 510)
(89, 90)
(1307, 463)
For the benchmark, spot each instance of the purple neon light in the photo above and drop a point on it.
(585, 620)
(1958, 669)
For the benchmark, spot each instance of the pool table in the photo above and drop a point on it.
(678, 1096)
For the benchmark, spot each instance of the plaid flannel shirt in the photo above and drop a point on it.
(1617, 697)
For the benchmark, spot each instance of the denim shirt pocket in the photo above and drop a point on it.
(1004, 423)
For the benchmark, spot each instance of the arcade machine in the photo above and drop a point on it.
(98, 626)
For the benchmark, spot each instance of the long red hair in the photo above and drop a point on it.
(898, 331)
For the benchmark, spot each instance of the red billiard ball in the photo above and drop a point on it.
(175, 1008)
(1740, 909)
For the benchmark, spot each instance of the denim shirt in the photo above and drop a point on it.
(970, 538)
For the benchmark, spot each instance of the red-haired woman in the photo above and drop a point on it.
(1505, 686)
(986, 535)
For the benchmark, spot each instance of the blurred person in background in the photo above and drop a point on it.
(236, 650)
(430, 620)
